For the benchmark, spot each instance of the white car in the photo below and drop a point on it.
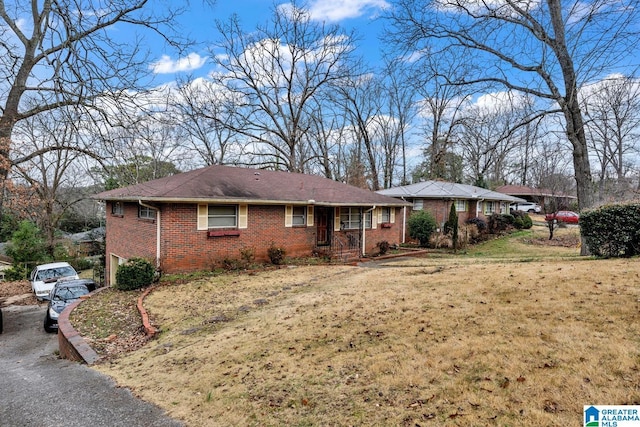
(44, 277)
(526, 207)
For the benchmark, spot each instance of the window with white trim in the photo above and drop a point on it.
(385, 215)
(418, 204)
(299, 216)
(145, 212)
(117, 208)
(222, 216)
(350, 219)
(461, 205)
(489, 207)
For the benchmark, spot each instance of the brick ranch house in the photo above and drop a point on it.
(195, 220)
(437, 197)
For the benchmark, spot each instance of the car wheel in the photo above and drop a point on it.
(47, 324)
(531, 211)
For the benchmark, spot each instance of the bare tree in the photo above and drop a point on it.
(325, 135)
(276, 72)
(486, 138)
(395, 126)
(435, 81)
(49, 173)
(205, 118)
(146, 148)
(547, 49)
(57, 53)
(612, 109)
(360, 98)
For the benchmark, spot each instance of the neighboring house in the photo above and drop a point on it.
(437, 197)
(198, 219)
(548, 199)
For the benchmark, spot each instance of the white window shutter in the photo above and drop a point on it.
(374, 218)
(310, 216)
(336, 219)
(392, 215)
(203, 217)
(288, 216)
(242, 216)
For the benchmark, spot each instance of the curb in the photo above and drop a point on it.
(148, 328)
(71, 344)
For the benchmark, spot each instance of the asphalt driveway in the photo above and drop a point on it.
(38, 389)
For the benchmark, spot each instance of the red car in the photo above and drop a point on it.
(568, 217)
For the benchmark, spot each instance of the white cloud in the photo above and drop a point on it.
(497, 101)
(337, 10)
(166, 65)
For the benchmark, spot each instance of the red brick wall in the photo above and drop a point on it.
(129, 236)
(184, 248)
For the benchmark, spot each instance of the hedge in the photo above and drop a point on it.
(612, 230)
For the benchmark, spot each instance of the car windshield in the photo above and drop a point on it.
(69, 293)
(55, 273)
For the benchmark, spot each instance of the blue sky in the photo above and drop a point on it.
(358, 15)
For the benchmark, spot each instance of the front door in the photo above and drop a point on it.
(323, 221)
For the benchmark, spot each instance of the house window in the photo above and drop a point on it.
(222, 216)
(489, 207)
(117, 208)
(461, 205)
(350, 218)
(145, 212)
(417, 204)
(299, 216)
(385, 215)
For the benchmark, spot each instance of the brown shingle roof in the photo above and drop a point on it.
(232, 184)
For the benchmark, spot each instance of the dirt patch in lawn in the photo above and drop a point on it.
(408, 342)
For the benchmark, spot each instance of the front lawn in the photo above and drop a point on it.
(460, 340)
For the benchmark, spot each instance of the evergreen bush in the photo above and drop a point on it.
(422, 225)
(612, 230)
(134, 274)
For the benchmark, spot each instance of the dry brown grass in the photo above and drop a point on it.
(456, 341)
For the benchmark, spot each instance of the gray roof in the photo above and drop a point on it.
(447, 190)
(242, 185)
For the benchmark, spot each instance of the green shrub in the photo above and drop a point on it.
(500, 222)
(422, 225)
(15, 272)
(612, 230)
(452, 221)
(134, 274)
(276, 254)
(522, 220)
(27, 244)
